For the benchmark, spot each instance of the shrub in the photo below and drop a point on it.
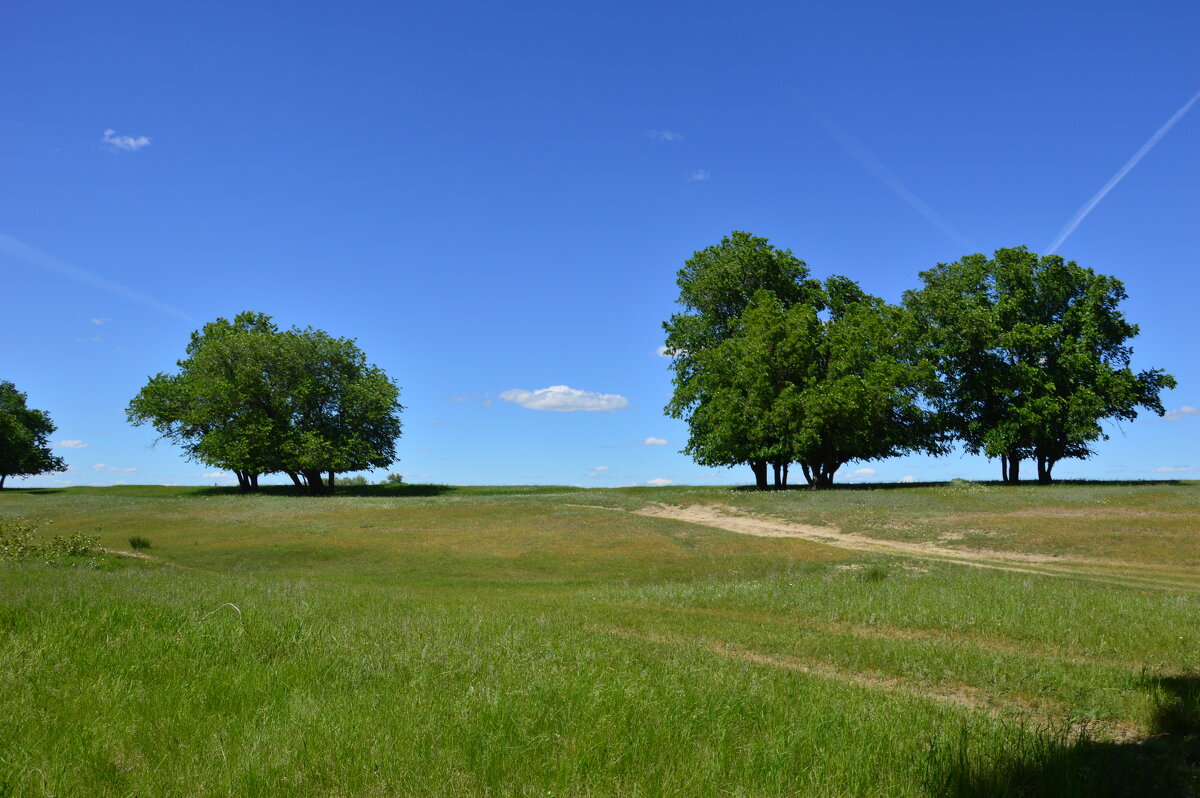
(18, 542)
(137, 542)
(358, 480)
(393, 479)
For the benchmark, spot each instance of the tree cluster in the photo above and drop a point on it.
(253, 399)
(1015, 356)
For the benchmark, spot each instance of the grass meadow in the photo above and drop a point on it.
(431, 640)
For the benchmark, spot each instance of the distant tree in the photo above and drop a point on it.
(393, 479)
(1033, 353)
(254, 399)
(24, 437)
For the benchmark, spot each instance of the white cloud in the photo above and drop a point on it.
(652, 441)
(598, 471)
(662, 351)
(1182, 412)
(863, 472)
(113, 469)
(218, 475)
(563, 399)
(908, 478)
(664, 135)
(601, 468)
(699, 176)
(659, 482)
(127, 143)
(71, 444)
(1174, 470)
(98, 322)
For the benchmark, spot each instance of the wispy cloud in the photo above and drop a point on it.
(884, 175)
(908, 478)
(563, 399)
(15, 248)
(112, 469)
(699, 176)
(598, 471)
(664, 135)
(71, 444)
(99, 322)
(652, 441)
(1174, 470)
(126, 143)
(1090, 205)
(1180, 413)
(658, 482)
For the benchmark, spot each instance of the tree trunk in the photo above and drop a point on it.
(1045, 465)
(1014, 470)
(778, 474)
(785, 474)
(316, 486)
(330, 491)
(254, 482)
(759, 467)
(1004, 468)
(808, 478)
(2, 478)
(299, 483)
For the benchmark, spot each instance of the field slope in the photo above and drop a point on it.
(949, 639)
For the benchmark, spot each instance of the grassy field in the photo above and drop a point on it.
(429, 640)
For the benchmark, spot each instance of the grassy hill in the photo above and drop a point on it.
(434, 640)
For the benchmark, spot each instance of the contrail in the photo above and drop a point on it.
(22, 251)
(887, 177)
(1078, 218)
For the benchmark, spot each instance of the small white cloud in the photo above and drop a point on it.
(908, 478)
(600, 468)
(663, 351)
(863, 472)
(563, 399)
(1174, 470)
(664, 135)
(99, 322)
(127, 143)
(654, 442)
(699, 176)
(112, 469)
(71, 444)
(218, 475)
(658, 482)
(1182, 412)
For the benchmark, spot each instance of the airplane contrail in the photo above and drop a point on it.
(22, 251)
(1082, 213)
(886, 176)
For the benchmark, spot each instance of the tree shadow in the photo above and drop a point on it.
(371, 491)
(871, 486)
(1165, 763)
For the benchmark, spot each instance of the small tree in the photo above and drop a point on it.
(24, 437)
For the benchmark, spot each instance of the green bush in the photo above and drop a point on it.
(393, 479)
(137, 542)
(18, 542)
(357, 480)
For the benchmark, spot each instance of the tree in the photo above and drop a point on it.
(1034, 354)
(24, 437)
(772, 367)
(254, 399)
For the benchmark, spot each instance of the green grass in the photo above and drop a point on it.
(437, 640)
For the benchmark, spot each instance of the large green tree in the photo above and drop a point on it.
(24, 437)
(1034, 354)
(255, 399)
(772, 367)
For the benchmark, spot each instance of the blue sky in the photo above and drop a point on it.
(494, 199)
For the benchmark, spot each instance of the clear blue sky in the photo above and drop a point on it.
(496, 197)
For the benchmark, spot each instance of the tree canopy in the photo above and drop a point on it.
(24, 437)
(772, 367)
(255, 399)
(1033, 353)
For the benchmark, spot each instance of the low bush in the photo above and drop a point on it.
(18, 541)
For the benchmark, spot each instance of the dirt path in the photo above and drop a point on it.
(724, 517)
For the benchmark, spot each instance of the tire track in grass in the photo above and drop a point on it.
(962, 696)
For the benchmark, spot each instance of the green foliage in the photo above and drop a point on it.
(19, 541)
(24, 437)
(1034, 354)
(772, 367)
(357, 481)
(254, 399)
(138, 543)
(393, 479)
